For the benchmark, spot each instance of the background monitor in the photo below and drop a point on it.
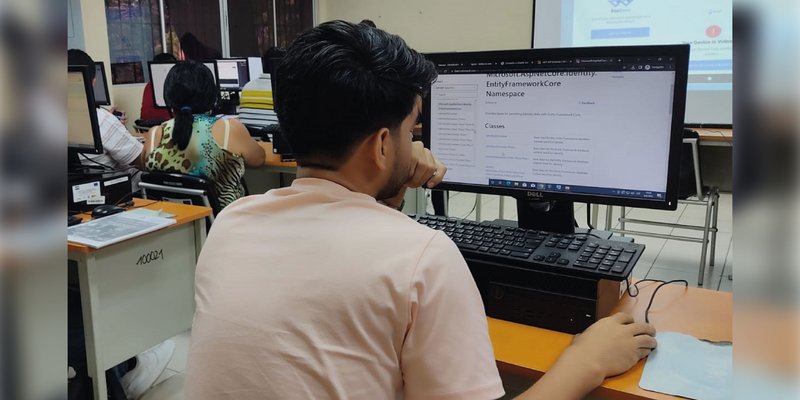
(101, 97)
(158, 75)
(254, 67)
(706, 25)
(233, 73)
(83, 131)
(553, 126)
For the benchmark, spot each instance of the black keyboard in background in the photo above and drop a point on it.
(578, 254)
(149, 123)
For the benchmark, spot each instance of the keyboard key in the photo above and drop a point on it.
(494, 250)
(555, 254)
(466, 246)
(629, 251)
(595, 260)
(616, 248)
(505, 252)
(538, 258)
(604, 268)
(592, 245)
(618, 267)
(562, 246)
(551, 260)
(574, 248)
(614, 253)
(580, 264)
(610, 257)
(520, 254)
(548, 244)
(607, 263)
(483, 249)
(522, 249)
(625, 257)
(563, 261)
(583, 259)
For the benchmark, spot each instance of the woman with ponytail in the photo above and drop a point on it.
(196, 143)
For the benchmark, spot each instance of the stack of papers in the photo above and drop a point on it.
(115, 228)
(256, 108)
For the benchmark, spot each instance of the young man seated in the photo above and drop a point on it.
(324, 289)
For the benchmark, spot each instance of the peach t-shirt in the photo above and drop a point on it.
(317, 292)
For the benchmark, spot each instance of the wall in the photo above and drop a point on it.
(442, 25)
(95, 33)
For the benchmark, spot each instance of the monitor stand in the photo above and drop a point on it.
(552, 216)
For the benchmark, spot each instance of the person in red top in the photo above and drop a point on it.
(149, 110)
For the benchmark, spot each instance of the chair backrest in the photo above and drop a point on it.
(180, 188)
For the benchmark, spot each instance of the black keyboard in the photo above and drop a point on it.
(578, 254)
(149, 123)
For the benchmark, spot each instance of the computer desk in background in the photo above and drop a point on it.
(131, 302)
(529, 351)
(715, 137)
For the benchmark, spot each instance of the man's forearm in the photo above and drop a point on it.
(571, 378)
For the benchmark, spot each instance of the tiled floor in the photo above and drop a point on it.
(662, 259)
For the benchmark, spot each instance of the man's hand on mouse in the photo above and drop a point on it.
(614, 344)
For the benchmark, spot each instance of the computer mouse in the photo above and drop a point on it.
(106, 210)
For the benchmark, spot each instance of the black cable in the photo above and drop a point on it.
(108, 167)
(591, 234)
(474, 206)
(661, 283)
(653, 296)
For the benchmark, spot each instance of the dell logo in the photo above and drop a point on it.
(535, 195)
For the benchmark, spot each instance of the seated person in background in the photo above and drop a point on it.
(149, 110)
(350, 298)
(196, 143)
(121, 150)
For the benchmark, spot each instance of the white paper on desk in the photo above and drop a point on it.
(685, 366)
(115, 228)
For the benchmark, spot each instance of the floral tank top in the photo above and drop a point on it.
(202, 157)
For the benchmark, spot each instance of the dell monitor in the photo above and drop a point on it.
(158, 75)
(550, 127)
(101, 97)
(83, 131)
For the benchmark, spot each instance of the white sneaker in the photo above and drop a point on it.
(149, 366)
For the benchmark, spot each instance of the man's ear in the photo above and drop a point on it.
(377, 146)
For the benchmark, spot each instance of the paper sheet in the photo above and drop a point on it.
(685, 366)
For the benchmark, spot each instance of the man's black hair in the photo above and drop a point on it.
(340, 82)
(79, 57)
(189, 89)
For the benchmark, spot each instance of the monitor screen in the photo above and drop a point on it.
(101, 97)
(158, 75)
(597, 125)
(706, 25)
(233, 73)
(254, 67)
(83, 132)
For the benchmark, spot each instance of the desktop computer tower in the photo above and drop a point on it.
(543, 299)
(90, 188)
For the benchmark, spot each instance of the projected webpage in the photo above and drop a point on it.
(705, 25)
(593, 132)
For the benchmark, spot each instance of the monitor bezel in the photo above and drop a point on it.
(102, 66)
(97, 147)
(150, 73)
(681, 54)
(241, 87)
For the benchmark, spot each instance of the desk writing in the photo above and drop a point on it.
(701, 313)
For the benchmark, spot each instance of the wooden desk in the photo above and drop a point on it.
(701, 313)
(130, 305)
(715, 137)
